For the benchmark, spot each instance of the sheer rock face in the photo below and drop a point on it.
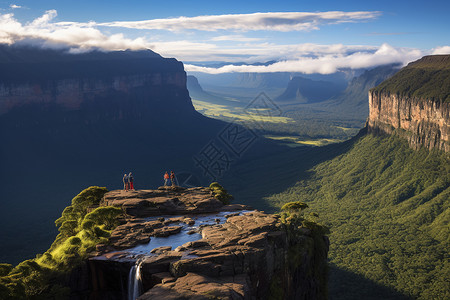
(250, 256)
(423, 122)
(109, 86)
(70, 93)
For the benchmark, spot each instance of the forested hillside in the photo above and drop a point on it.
(388, 211)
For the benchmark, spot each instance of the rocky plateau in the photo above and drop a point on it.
(245, 254)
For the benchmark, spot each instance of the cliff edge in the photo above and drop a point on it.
(186, 244)
(415, 103)
(174, 243)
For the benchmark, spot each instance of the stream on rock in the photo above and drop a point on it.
(188, 233)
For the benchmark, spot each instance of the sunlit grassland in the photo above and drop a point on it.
(345, 129)
(301, 142)
(237, 113)
(289, 131)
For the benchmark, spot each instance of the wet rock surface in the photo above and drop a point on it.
(246, 256)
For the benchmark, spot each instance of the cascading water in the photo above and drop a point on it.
(134, 281)
(135, 288)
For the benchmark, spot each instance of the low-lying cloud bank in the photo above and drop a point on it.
(302, 58)
(326, 64)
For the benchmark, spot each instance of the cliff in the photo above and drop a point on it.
(303, 90)
(76, 119)
(78, 82)
(185, 244)
(415, 103)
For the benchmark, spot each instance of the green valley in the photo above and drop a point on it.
(388, 212)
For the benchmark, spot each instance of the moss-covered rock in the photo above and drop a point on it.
(80, 231)
(220, 193)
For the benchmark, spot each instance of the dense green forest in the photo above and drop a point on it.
(388, 211)
(428, 78)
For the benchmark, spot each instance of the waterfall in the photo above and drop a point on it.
(134, 281)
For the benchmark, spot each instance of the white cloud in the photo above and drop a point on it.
(273, 21)
(14, 6)
(55, 34)
(235, 37)
(325, 64)
(305, 58)
(441, 50)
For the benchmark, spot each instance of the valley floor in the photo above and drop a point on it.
(388, 211)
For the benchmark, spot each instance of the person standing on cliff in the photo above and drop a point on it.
(131, 181)
(172, 178)
(166, 178)
(125, 182)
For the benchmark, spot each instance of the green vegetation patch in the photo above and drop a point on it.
(427, 78)
(387, 207)
(297, 224)
(82, 226)
(220, 193)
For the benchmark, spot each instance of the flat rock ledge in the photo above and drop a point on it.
(165, 201)
(247, 257)
(171, 200)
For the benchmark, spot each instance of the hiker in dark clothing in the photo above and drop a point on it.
(172, 178)
(131, 181)
(125, 182)
(166, 178)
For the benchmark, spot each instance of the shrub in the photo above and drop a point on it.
(68, 228)
(74, 240)
(100, 232)
(79, 233)
(220, 193)
(5, 269)
(106, 216)
(296, 206)
(26, 267)
(87, 198)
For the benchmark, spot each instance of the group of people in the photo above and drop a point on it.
(172, 178)
(128, 180)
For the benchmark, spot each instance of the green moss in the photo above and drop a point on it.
(106, 216)
(80, 232)
(294, 206)
(220, 193)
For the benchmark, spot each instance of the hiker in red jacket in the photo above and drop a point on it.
(166, 178)
(130, 181)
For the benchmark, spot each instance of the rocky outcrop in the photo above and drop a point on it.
(414, 105)
(251, 255)
(170, 200)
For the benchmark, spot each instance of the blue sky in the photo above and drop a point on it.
(302, 36)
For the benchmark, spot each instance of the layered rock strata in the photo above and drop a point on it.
(423, 122)
(415, 104)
